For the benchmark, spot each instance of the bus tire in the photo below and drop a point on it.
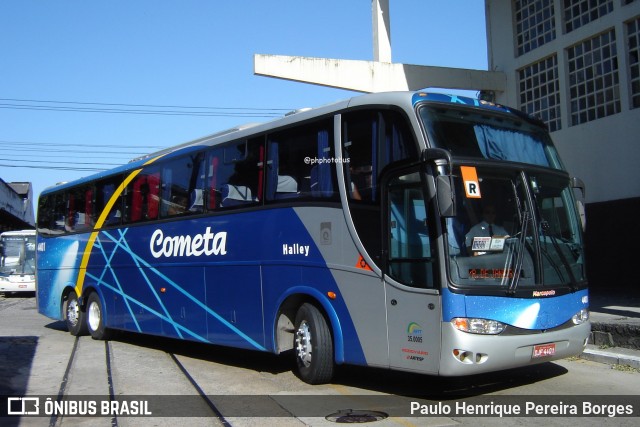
(95, 318)
(313, 346)
(74, 317)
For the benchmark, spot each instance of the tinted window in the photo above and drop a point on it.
(372, 139)
(235, 175)
(301, 164)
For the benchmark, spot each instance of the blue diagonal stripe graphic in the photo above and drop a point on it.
(141, 263)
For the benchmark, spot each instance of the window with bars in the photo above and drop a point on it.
(594, 88)
(540, 91)
(580, 12)
(535, 24)
(633, 44)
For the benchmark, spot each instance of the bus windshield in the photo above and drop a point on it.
(18, 253)
(472, 133)
(520, 231)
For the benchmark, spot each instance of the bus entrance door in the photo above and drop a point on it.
(413, 303)
(413, 325)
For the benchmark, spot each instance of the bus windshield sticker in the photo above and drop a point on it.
(471, 182)
(495, 244)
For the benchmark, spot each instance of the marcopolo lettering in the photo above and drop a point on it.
(207, 244)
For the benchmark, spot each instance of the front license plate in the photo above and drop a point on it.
(544, 350)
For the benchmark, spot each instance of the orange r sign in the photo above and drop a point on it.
(471, 182)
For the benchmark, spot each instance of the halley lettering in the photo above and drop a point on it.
(295, 249)
(207, 244)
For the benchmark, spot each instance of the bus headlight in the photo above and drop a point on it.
(4, 279)
(580, 317)
(478, 326)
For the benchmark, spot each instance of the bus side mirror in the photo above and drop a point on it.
(445, 193)
(578, 184)
(445, 188)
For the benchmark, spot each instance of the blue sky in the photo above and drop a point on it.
(195, 53)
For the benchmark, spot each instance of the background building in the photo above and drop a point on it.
(16, 206)
(575, 64)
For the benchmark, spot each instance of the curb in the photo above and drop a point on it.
(625, 335)
(612, 356)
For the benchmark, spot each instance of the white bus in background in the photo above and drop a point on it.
(18, 261)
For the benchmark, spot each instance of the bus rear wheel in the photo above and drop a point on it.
(95, 318)
(313, 346)
(73, 315)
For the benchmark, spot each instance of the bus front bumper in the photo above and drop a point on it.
(464, 353)
(17, 284)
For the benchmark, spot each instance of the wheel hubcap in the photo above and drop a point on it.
(94, 316)
(73, 312)
(303, 343)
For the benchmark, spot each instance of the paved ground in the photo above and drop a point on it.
(43, 360)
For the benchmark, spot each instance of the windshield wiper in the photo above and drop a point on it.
(523, 216)
(520, 248)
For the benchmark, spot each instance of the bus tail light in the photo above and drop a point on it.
(478, 326)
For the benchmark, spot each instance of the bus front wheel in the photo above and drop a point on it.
(313, 346)
(74, 316)
(95, 318)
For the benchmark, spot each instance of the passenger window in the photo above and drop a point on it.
(104, 192)
(44, 214)
(79, 213)
(51, 214)
(167, 189)
(182, 184)
(372, 139)
(143, 196)
(301, 164)
(360, 141)
(235, 175)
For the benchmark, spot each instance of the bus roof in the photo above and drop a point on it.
(407, 100)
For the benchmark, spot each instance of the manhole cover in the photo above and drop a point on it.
(356, 416)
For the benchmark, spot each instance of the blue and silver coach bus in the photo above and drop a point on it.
(420, 232)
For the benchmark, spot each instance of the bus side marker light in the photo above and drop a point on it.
(163, 290)
(580, 317)
(331, 295)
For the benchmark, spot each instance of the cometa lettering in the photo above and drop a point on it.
(207, 244)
